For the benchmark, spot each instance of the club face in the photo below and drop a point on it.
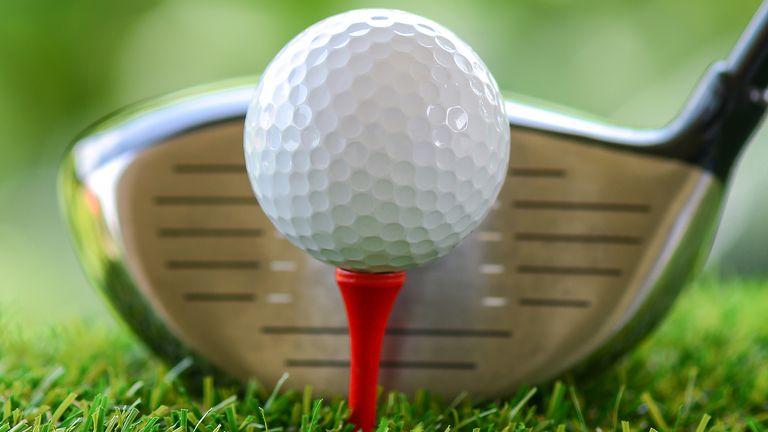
(587, 246)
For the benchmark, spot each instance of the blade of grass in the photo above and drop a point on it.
(62, 407)
(616, 407)
(703, 423)
(519, 406)
(558, 392)
(654, 411)
(577, 407)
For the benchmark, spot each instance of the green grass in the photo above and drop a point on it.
(706, 368)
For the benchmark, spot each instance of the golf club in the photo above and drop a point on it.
(594, 233)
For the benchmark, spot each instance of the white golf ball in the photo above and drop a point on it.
(376, 140)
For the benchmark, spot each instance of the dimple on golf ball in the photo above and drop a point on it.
(376, 140)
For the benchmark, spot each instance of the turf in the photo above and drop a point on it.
(706, 368)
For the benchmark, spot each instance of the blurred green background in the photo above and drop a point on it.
(65, 63)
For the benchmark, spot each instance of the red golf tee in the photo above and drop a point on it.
(368, 298)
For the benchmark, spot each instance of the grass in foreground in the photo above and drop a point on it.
(706, 368)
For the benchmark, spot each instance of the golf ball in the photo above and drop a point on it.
(376, 140)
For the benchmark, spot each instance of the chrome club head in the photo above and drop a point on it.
(594, 234)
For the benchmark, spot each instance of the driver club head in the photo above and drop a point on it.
(596, 230)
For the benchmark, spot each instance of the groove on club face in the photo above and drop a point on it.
(584, 251)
